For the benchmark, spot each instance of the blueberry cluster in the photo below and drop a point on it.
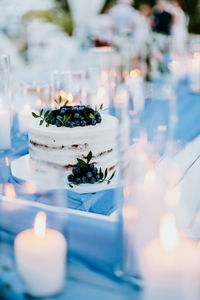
(85, 173)
(73, 116)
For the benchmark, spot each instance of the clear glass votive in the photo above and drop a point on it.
(5, 104)
(70, 86)
(29, 97)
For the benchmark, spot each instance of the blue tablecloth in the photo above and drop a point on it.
(95, 245)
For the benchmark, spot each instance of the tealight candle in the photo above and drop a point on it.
(5, 125)
(170, 265)
(41, 258)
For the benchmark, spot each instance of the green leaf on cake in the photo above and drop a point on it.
(41, 122)
(41, 112)
(66, 102)
(91, 116)
(106, 173)
(66, 118)
(35, 115)
(46, 114)
(82, 162)
(101, 107)
(111, 177)
(89, 157)
(59, 119)
(60, 99)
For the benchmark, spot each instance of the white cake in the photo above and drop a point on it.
(57, 148)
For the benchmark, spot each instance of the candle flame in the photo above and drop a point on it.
(168, 232)
(66, 96)
(162, 128)
(40, 224)
(135, 73)
(7, 161)
(10, 191)
(150, 177)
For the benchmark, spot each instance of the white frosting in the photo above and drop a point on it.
(53, 147)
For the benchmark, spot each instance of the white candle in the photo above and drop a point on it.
(41, 258)
(170, 265)
(5, 136)
(24, 118)
(135, 84)
(194, 72)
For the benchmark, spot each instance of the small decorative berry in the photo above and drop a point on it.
(84, 179)
(92, 180)
(67, 124)
(89, 175)
(58, 123)
(53, 121)
(78, 165)
(77, 123)
(78, 180)
(76, 116)
(93, 122)
(91, 166)
(63, 110)
(97, 177)
(95, 171)
(75, 171)
(70, 178)
(81, 118)
(72, 124)
(83, 123)
(98, 119)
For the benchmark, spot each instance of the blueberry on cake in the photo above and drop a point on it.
(63, 138)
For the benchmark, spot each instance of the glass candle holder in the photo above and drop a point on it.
(30, 97)
(70, 86)
(5, 104)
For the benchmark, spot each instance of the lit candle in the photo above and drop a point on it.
(41, 258)
(100, 97)
(194, 72)
(135, 84)
(148, 196)
(24, 117)
(5, 125)
(170, 265)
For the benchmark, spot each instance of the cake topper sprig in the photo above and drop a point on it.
(86, 172)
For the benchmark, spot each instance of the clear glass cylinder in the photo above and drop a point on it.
(5, 104)
(29, 97)
(70, 86)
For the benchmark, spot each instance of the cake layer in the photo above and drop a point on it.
(52, 147)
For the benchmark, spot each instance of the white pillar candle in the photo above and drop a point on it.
(41, 258)
(24, 118)
(194, 73)
(170, 265)
(135, 84)
(5, 125)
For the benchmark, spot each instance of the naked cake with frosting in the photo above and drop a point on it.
(59, 137)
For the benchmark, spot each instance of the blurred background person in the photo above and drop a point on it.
(162, 18)
(124, 16)
(179, 26)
